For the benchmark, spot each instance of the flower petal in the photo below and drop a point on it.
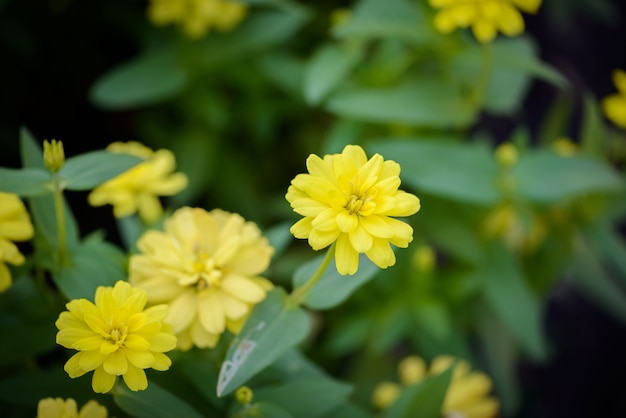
(102, 382)
(346, 258)
(135, 378)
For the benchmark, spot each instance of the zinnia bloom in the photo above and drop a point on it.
(15, 225)
(467, 395)
(349, 199)
(197, 17)
(137, 189)
(614, 106)
(115, 337)
(486, 17)
(59, 408)
(205, 266)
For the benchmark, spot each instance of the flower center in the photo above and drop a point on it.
(117, 334)
(354, 204)
(208, 274)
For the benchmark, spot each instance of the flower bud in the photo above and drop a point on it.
(244, 395)
(53, 155)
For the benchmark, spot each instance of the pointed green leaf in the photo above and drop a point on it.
(94, 263)
(154, 402)
(427, 101)
(593, 134)
(30, 150)
(333, 288)
(274, 326)
(327, 68)
(546, 177)
(468, 174)
(25, 181)
(86, 171)
(591, 277)
(152, 77)
(309, 397)
(423, 400)
(512, 301)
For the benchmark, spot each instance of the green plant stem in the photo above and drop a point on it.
(299, 295)
(484, 78)
(60, 214)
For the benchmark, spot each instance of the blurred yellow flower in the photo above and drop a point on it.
(486, 17)
(506, 155)
(60, 408)
(519, 233)
(564, 146)
(137, 189)
(614, 106)
(197, 17)
(205, 266)
(115, 337)
(467, 395)
(15, 225)
(349, 199)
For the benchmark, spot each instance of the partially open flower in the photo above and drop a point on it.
(60, 408)
(15, 225)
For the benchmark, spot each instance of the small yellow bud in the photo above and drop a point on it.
(411, 370)
(53, 155)
(564, 147)
(244, 395)
(506, 155)
(424, 258)
(385, 394)
(339, 17)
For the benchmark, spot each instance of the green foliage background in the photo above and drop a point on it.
(242, 111)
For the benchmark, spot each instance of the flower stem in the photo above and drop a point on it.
(299, 295)
(60, 214)
(484, 78)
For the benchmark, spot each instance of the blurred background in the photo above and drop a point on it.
(242, 110)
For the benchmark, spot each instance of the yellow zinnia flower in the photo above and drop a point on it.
(59, 408)
(349, 199)
(197, 17)
(486, 17)
(137, 189)
(115, 337)
(206, 266)
(467, 395)
(614, 106)
(15, 225)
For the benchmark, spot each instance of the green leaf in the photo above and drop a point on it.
(426, 397)
(262, 410)
(30, 150)
(400, 19)
(154, 402)
(86, 171)
(29, 388)
(94, 263)
(150, 78)
(349, 410)
(507, 293)
(202, 374)
(610, 247)
(279, 236)
(593, 133)
(502, 359)
(25, 181)
(427, 101)
(327, 68)
(461, 171)
(333, 288)
(545, 177)
(274, 326)
(596, 284)
(310, 397)
(261, 30)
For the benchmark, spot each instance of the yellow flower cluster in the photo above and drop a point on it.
(467, 395)
(614, 106)
(15, 225)
(205, 265)
(197, 17)
(59, 408)
(486, 17)
(137, 189)
(115, 337)
(350, 200)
